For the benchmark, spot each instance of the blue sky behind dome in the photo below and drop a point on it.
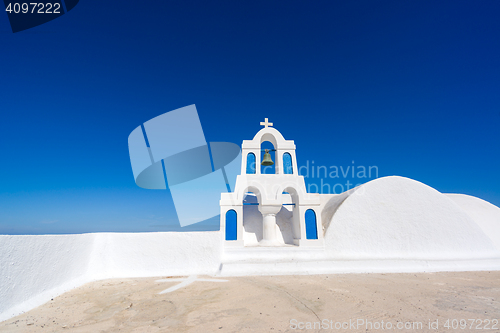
(411, 87)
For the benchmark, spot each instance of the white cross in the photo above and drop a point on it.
(185, 282)
(266, 123)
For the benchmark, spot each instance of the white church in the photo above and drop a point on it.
(269, 224)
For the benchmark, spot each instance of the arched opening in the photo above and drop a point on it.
(287, 164)
(252, 218)
(311, 230)
(285, 219)
(291, 203)
(269, 169)
(231, 225)
(251, 163)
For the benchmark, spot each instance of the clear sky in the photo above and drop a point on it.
(411, 87)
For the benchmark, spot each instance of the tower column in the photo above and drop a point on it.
(269, 225)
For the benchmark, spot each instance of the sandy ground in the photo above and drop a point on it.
(346, 303)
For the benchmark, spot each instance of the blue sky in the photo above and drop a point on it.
(411, 87)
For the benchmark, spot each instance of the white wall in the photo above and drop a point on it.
(34, 269)
(154, 254)
(37, 268)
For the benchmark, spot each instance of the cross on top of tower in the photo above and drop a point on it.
(266, 123)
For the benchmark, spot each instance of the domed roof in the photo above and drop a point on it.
(397, 217)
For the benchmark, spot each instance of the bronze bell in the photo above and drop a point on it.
(266, 161)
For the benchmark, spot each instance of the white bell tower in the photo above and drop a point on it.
(283, 191)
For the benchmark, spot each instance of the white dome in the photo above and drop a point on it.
(400, 218)
(486, 215)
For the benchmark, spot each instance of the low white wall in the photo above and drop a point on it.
(153, 254)
(37, 268)
(34, 269)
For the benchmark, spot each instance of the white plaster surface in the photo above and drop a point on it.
(154, 254)
(33, 269)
